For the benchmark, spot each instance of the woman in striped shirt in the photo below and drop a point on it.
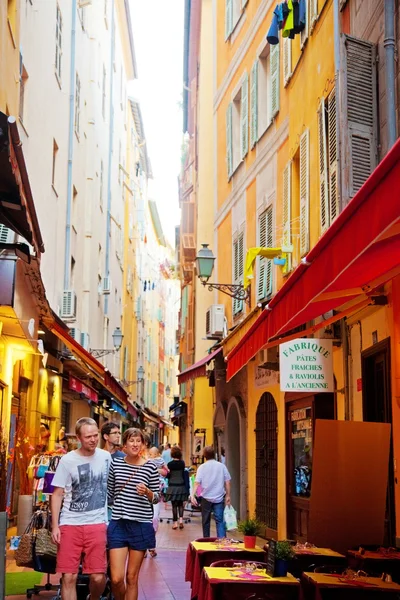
(133, 488)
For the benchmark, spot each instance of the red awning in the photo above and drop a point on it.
(358, 253)
(198, 369)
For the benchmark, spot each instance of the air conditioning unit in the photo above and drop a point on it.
(85, 340)
(75, 333)
(7, 236)
(106, 285)
(68, 308)
(215, 319)
(269, 359)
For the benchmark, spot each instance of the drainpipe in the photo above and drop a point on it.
(110, 153)
(346, 360)
(67, 259)
(390, 70)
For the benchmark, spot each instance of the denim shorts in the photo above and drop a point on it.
(135, 535)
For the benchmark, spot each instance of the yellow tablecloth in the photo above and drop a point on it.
(235, 574)
(325, 580)
(212, 546)
(320, 551)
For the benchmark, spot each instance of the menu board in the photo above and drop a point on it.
(271, 558)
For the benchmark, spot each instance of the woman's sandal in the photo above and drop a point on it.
(174, 526)
(180, 525)
(153, 553)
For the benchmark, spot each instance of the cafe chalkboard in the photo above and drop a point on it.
(271, 558)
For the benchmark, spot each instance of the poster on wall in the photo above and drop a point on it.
(306, 365)
(198, 445)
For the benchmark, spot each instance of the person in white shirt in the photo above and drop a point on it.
(215, 482)
(79, 512)
(166, 455)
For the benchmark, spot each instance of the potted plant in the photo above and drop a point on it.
(284, 554)
(251, 528)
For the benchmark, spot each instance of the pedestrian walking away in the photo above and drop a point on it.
(133, 489)
(166, 454)
(215, 482)
(80, 526)
(178, 489)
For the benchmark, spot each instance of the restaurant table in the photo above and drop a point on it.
(327, 586)
(219, 583)
(317, 557)
(203, 554)
(376, 562)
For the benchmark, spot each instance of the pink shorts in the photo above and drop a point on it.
(84, 544)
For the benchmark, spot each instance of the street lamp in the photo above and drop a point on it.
(167, 391)
(117, 338)
(204, 266)
(140, 377)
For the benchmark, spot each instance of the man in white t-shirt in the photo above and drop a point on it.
(80, 526)
(215, 482)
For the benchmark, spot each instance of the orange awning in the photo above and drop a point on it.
(358, 253)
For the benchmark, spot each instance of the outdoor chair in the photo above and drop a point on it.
(231, 563)
(328, 569)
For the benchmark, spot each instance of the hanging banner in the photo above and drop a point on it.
(306, 365)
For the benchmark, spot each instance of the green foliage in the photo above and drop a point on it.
(251, 526)
(284, 550)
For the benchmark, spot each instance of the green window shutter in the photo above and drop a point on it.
(244, 117)
(229, 156)
(333, 157)
(269, 244)
(287, 213)
(361, 106)
(262, 242)
(254, 104)
(304, 194)
(274, 77)
(238, 269)
(323, 168)
(287, 60)
(228, 18)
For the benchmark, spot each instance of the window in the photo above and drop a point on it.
(304, 193)
(125, 363)
(328, 161)
(58, 43)
(54, 167)
(23, 78)
(103, 100)
(237, 128)
(287, 60)
(233, 12)
(82, 15)
(264, 92)
(238, 269)
(306, 30)
(287, 214)
(265, 240)
(77, 103)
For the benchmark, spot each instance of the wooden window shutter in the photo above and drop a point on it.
(313, 12)
(254, 104)
(360, 104)
(333, 157)
(244, 117)
(287, 214)
(323, 168)
(261, 270)
(287, 60)
(304, 194)
(238, 259)
(274, 77)
(228, 18)
(229, 156)
(305, 32)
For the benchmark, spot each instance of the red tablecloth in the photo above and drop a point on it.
(196, 560)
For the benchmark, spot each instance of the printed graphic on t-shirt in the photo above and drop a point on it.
(89, 489)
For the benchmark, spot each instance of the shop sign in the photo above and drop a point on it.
(265, 377)
(306, 365)
(76, 385)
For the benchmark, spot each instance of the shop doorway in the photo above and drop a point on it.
(377, 408)
(267, 463)
(235, 458)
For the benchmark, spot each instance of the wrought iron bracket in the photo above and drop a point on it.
(100, 353)
(235, 291)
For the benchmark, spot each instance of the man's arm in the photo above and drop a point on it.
(228, 493)
(193, 496)
(56, 501)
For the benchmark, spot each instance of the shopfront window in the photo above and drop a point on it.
(302, 447)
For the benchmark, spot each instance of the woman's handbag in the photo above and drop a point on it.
(43, 467)
(24, 552)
